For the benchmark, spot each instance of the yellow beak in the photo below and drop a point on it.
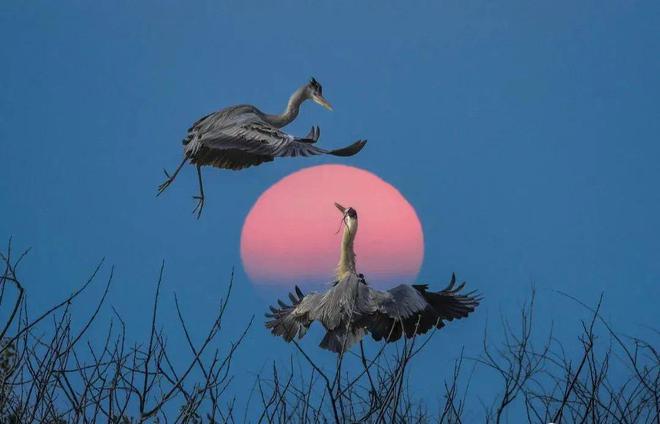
(322, 101)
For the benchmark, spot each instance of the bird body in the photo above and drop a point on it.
(351, 308)
(238, 137)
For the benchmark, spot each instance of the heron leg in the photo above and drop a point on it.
(200, 198)
(170, 178)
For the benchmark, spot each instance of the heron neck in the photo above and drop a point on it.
(346, 264)
(291, 111)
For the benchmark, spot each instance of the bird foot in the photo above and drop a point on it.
(200, 205)
(166, 183)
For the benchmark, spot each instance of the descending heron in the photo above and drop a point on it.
(241, 136)
(350, 308)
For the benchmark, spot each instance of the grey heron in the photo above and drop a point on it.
(241, 136)
(351, 308)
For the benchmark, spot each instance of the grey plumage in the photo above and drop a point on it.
(351, 308)
(242, 136)
(239, 137)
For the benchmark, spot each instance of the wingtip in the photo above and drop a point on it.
(350, 150)
(452, 283)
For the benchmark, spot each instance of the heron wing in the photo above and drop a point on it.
(196, 127)
(216, 121)
(412, 310)
(244, 130)
(288, 321)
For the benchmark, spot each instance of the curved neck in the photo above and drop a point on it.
(291, 110)
(346, 263)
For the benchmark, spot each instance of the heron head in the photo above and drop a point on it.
(314, 91)
(349, 213)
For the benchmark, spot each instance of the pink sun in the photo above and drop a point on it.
(290, 234)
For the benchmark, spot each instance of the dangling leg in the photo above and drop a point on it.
(170, 179)
(200, 198)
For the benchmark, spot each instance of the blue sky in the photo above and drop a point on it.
(525, 134)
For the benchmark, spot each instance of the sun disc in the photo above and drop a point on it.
(290, 234)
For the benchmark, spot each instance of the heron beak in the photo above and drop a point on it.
(340, 207)
(322, 101)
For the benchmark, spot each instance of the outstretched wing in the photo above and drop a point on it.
(412, 310)
(243, 129)
(291, 320)
(259, 138)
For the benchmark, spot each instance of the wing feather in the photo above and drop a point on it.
(243, 129)
(289, 321)
(412, 310)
